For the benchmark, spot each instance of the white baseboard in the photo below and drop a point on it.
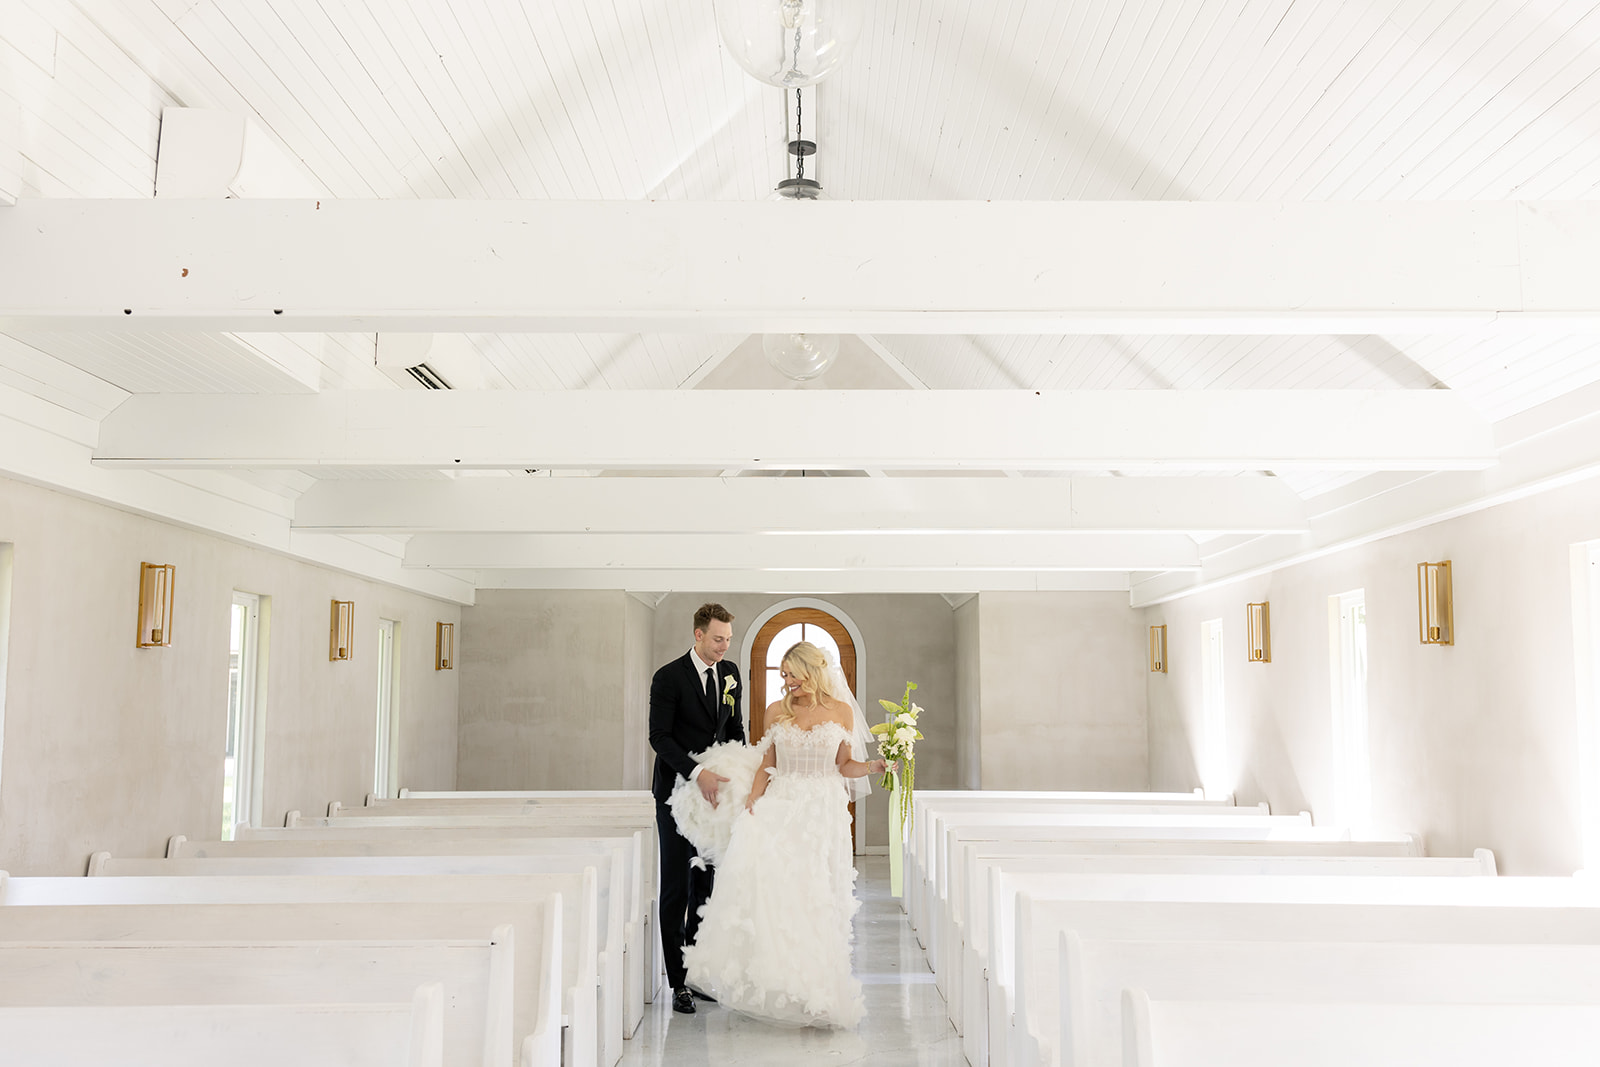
(873, 850)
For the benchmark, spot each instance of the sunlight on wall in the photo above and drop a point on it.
(1586, 665)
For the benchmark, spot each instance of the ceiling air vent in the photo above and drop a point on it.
(430, 378)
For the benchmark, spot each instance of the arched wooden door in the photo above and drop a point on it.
(776, 636)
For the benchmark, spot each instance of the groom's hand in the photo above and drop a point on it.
(708, 782)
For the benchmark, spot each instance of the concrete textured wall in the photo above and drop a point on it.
(638, 648)
(109, 746)
(542, 690)
(1472, 745)
(1062, 686)
(969, 697)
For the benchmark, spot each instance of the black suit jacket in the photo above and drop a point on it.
(683, 719)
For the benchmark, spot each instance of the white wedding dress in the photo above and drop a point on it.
(775, 937)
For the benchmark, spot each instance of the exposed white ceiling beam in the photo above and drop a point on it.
(892, 361)
(839, 266)
(765, 505)
(812, 429)
(963, 552)
(808, 583)
(1554, 444)
(238, 511)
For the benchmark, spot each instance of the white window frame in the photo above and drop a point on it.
(246, 748)
(1214, 776)
(1348, 670)
(384, 746)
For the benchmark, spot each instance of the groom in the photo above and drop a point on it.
(694, 703)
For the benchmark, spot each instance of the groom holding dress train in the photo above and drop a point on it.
(694, 704)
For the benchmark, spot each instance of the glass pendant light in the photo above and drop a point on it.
(788, 43)
(801, 356)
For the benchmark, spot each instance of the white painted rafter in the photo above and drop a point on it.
(1555, 444)
(745, 267)
(950, 552)
(807, 583)
(805, 429)
(764, 505)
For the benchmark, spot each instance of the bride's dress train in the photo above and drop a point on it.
(775, 936)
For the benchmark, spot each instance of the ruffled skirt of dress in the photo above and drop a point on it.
(775, 937)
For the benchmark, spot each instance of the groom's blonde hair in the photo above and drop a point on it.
(810, 664)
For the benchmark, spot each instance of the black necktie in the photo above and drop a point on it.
(711, 685)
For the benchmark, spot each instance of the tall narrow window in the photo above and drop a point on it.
(238, 762)
(383, 757)
(1352, 769)
(1214, 742)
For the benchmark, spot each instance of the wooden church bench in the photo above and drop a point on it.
(476, 975)
(1210, 1033)
(530, 909)
(1024, 986)
(399, 1034)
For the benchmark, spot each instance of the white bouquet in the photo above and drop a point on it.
(897, 741)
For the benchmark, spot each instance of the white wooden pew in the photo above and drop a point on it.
(476, 975)
(399, 1034)
(993, 880)
(1025, 1005)
(918, 841)
(593, 980)
(1185, 1033)
(639, 934)
(502, 794)
(626, 950)
(457, 911)
(957, 827)
(932, 870)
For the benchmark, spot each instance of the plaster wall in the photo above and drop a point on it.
(969, 723)
(638, 647)
(542, 690)
(1062, 690)
(109, 746)
(1472, 745)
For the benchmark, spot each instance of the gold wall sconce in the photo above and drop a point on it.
(342, 630)
(155, 604)
(1158, 649)
(444, 646)
(1257, 633)
(1435, 611)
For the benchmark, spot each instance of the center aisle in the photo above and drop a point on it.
(906, 1025)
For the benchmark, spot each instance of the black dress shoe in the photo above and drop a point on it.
(682, 1002)
(700, 994)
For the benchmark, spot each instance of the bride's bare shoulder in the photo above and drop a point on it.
(775, 706)
(839, 712)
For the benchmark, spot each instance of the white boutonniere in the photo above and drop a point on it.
(729, 684)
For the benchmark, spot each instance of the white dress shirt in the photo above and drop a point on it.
(700, 667)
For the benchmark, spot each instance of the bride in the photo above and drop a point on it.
(775, 937)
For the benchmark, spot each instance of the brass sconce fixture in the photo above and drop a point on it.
(1158, 649)
(444, 646)
(1435, 610)
(155, 604)
(1258, 636)
(341, 632)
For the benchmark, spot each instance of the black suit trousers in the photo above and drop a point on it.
(684, 891)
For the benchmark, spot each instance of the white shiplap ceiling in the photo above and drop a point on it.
(1251, 100)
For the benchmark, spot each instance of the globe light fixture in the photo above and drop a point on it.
(801, 356)
(788, 43)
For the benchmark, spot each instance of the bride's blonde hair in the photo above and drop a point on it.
(808, 663)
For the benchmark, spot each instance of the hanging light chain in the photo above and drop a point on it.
(799, 136)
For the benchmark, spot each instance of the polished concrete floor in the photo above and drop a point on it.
(906, 1025)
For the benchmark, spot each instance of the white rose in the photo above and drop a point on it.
(905, 735)
(906, 718)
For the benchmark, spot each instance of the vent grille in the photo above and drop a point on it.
(430, 378)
